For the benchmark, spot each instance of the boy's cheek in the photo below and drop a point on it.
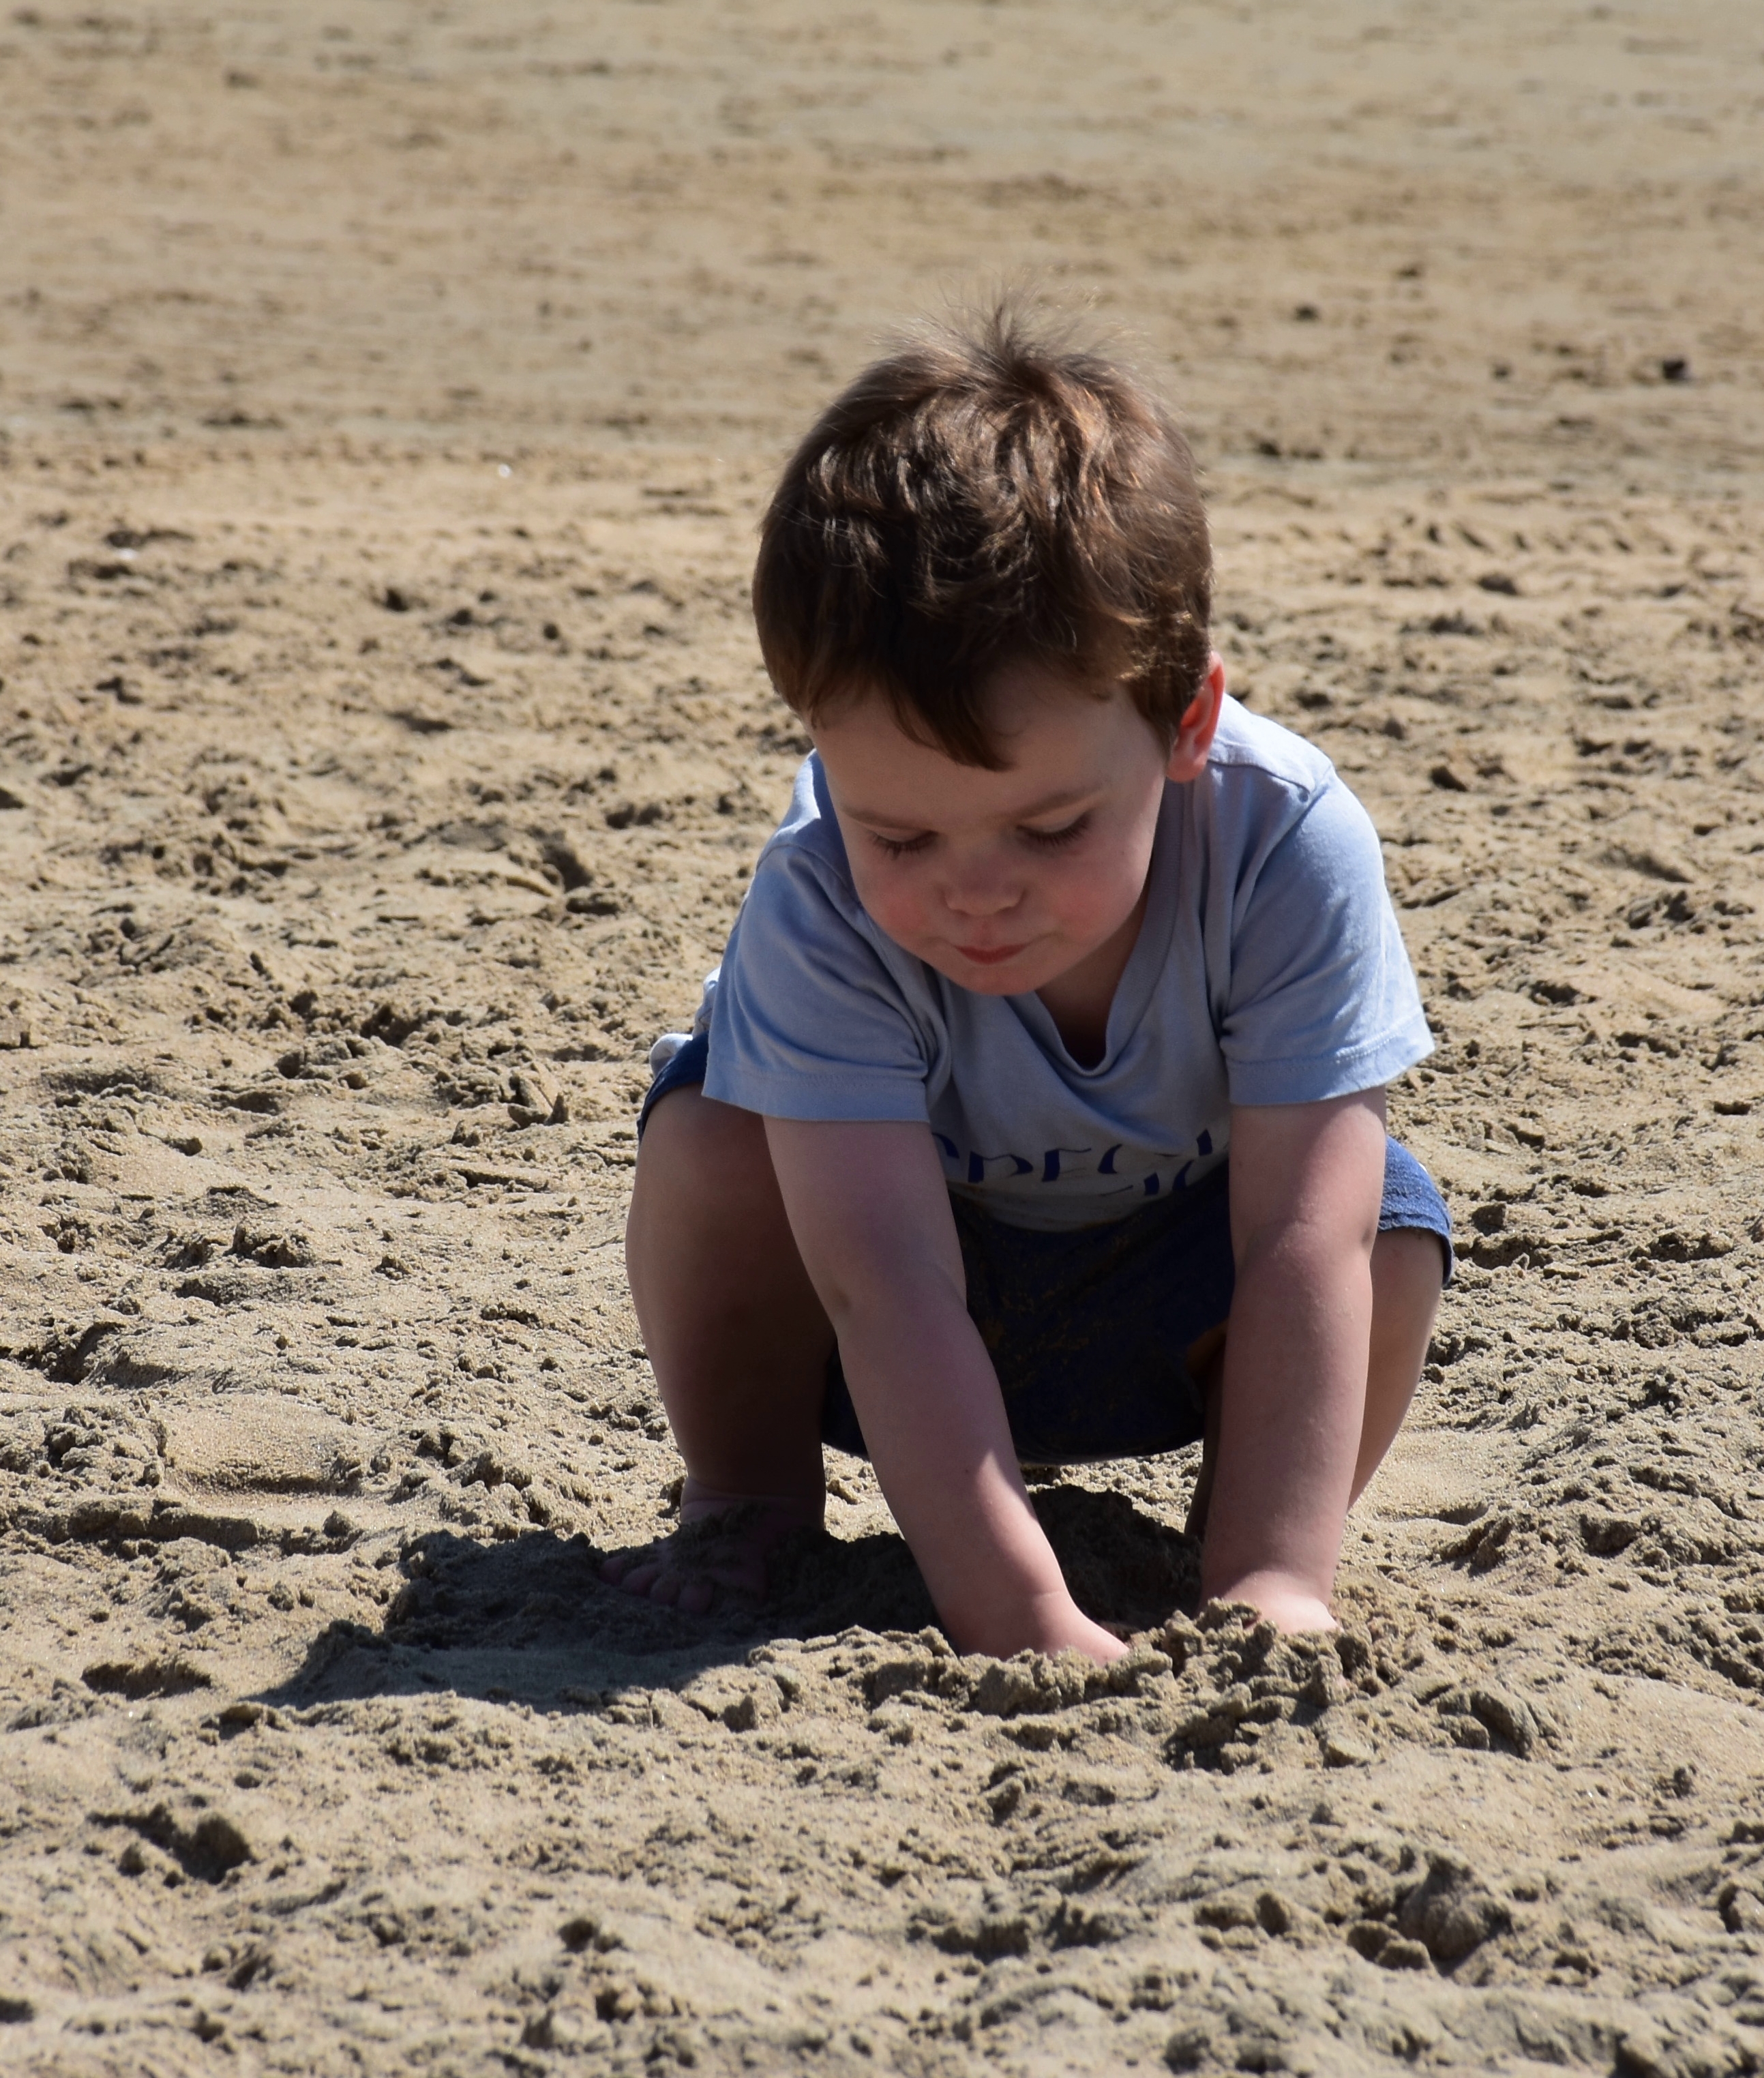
(901, 919)
(891, 907)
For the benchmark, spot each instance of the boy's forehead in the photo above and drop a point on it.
(1058, 743)
(1026, 705)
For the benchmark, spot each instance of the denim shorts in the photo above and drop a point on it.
(1096, 1333)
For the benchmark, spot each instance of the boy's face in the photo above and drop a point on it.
(1004, 881)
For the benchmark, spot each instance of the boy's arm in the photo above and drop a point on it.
(869, 1211)
(1307, 1181)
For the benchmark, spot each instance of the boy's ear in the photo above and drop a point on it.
(1195, 732)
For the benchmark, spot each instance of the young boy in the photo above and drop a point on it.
(1036, 1111)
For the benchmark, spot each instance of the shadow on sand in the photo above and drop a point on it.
(530, 1621)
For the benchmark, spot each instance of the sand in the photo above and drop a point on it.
(386, 396)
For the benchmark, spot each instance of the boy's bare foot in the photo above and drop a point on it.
(722, 1544)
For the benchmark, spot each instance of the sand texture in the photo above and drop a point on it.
(387, 394)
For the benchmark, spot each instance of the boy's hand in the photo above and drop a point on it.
(870, 1211)
(1289, 1607)
(1307, 1181)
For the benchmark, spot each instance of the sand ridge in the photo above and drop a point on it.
(386, 403)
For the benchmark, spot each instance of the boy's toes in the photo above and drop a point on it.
(635, 1575)
(742, 1570)
(692, 1569)
(695, 1597)
(652, 1579)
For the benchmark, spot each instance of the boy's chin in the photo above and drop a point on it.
(1019, 977)
(989, 981)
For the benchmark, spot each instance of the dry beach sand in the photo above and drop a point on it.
(386, 393)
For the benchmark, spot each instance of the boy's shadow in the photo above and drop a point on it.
(531, 1621)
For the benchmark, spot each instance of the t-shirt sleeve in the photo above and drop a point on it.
(808, 1021)
(1322, 1000)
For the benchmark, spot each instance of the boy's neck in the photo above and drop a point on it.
(1079, 1000)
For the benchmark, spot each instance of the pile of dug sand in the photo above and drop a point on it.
(387, 398)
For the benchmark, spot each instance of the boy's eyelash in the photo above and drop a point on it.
(1052, 840)
(1041, 840)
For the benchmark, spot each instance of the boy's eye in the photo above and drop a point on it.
(900, 847)
(1052, 840)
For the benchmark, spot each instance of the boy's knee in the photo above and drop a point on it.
(689, 1134)
(1409, 1263)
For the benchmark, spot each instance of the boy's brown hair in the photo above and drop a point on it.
(986, 495)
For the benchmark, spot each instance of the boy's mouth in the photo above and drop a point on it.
(989, 956)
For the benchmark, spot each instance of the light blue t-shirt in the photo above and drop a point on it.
(1269, 969)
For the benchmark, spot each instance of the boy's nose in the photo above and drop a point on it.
(982, 896)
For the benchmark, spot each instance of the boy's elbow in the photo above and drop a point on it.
(1308, 1248)
(869, 1296)
(882, 1269)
